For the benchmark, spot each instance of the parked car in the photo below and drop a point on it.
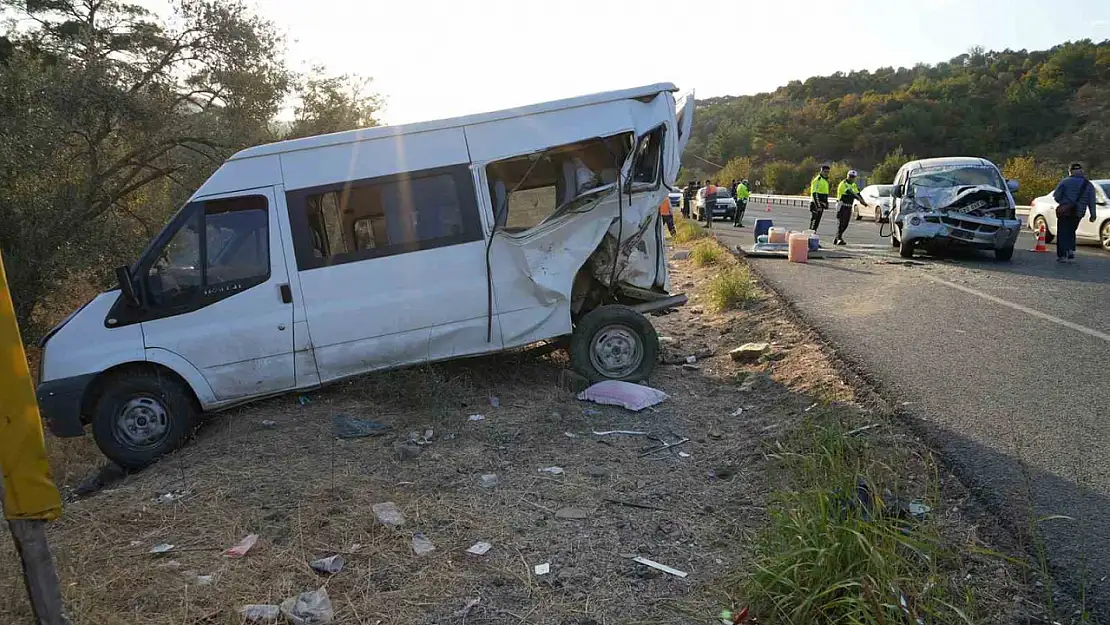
(725, 208)
(675, 198)
(878, 202)
(1043, 211)
(308, 261)
(954, 202)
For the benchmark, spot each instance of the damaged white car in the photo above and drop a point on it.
(308, 261)
(951, 202)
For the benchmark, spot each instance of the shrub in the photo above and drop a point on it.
(686, 231)
(706, 252)
(729, 289)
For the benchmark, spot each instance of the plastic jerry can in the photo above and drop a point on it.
(798, 248)
(776, 235)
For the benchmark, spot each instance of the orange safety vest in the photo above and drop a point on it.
(665, 207)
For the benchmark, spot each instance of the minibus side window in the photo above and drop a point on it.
(191, 271)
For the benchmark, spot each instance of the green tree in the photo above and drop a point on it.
(885, 170)
(333, 103)
(1034, 179)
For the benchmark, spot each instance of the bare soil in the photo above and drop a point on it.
(308, 494)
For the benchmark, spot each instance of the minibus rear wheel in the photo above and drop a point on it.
(614, 343)
(141, 416)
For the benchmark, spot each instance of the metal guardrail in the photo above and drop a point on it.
(802, 201)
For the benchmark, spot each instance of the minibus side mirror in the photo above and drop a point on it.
(896, 191)
(127, 285)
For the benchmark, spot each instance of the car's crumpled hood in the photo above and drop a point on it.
(983, 200)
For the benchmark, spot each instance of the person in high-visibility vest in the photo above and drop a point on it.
(819, 194)
(846, 193)
(666, 215)
(742, 195)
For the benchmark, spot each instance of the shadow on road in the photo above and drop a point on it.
(1089, 268)
(1061, 519)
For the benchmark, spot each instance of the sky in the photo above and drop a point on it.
(441, 58)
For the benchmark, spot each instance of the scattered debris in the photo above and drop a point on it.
(570, 435)
(728, 618)
(467, 608)
(680, 255)
(552, 470)
(495, 402)
(172, 564)
(667, 339)
(309, 608)
(260, 613)
(664, 446)
(269, 423)
(161, 548)
(811, 406)
(752, 382)
(571, 514)
(542, 569)
(346, 426)
(690, 367)
(239, 550)
(691, 360)
(477, 417)
(416, 438)
(421, 545)
(737, 412)
(489, 480)
(303, 399)
(388, 514)
(749, 352)
(135, 543)
(479, 548)
(634, 397)
(626, 432)
(591, 412)
(329, 565)
(918, 510)
(204, 580)
(860, 430)
(632, 504)
(172, 496)
(683, 454)
(660, 567)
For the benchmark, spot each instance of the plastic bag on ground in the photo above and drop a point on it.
(634, 397)
(309, 608)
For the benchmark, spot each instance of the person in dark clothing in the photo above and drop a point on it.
(819, 197)
(1074, 196)
(688, 197)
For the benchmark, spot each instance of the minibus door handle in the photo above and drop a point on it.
(286, 294)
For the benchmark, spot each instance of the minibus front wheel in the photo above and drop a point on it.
(141, 416)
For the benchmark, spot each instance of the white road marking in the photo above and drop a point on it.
(1025, 309)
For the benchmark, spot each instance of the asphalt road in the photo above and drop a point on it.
(1004, 367)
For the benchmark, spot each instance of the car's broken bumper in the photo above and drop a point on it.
(961, 229)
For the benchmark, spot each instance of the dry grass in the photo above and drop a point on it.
(707, 252)
(730, 289)
(307, 494)
(687, 230)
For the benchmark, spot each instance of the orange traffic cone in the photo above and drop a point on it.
(768, 203)
(1040, 246)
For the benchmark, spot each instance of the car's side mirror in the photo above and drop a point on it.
(127, 285)
(896, 191)
(1012, 184)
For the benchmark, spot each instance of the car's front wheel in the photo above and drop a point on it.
(1104, 235)
(1004, 253)
(142, 416)
(905, 248)
(614, 343)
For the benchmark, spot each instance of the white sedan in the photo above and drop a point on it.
(1043, 211)
(878, 202)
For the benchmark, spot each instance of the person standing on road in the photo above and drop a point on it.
(819, 194)
(688, 197)
(742, 194)
(847, 192)
(1074, 196)
(709, 204)
(665, 214)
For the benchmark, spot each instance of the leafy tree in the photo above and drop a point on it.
(333, 103)
(886, 169)
(1034, 179)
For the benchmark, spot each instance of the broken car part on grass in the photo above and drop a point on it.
(293, 265)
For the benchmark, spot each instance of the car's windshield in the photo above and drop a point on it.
(1105, 184)
(723, 192)
(957, 177)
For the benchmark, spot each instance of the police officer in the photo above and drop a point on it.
(846, 192)
(819, 194)
(742, 195)
(688, 197)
